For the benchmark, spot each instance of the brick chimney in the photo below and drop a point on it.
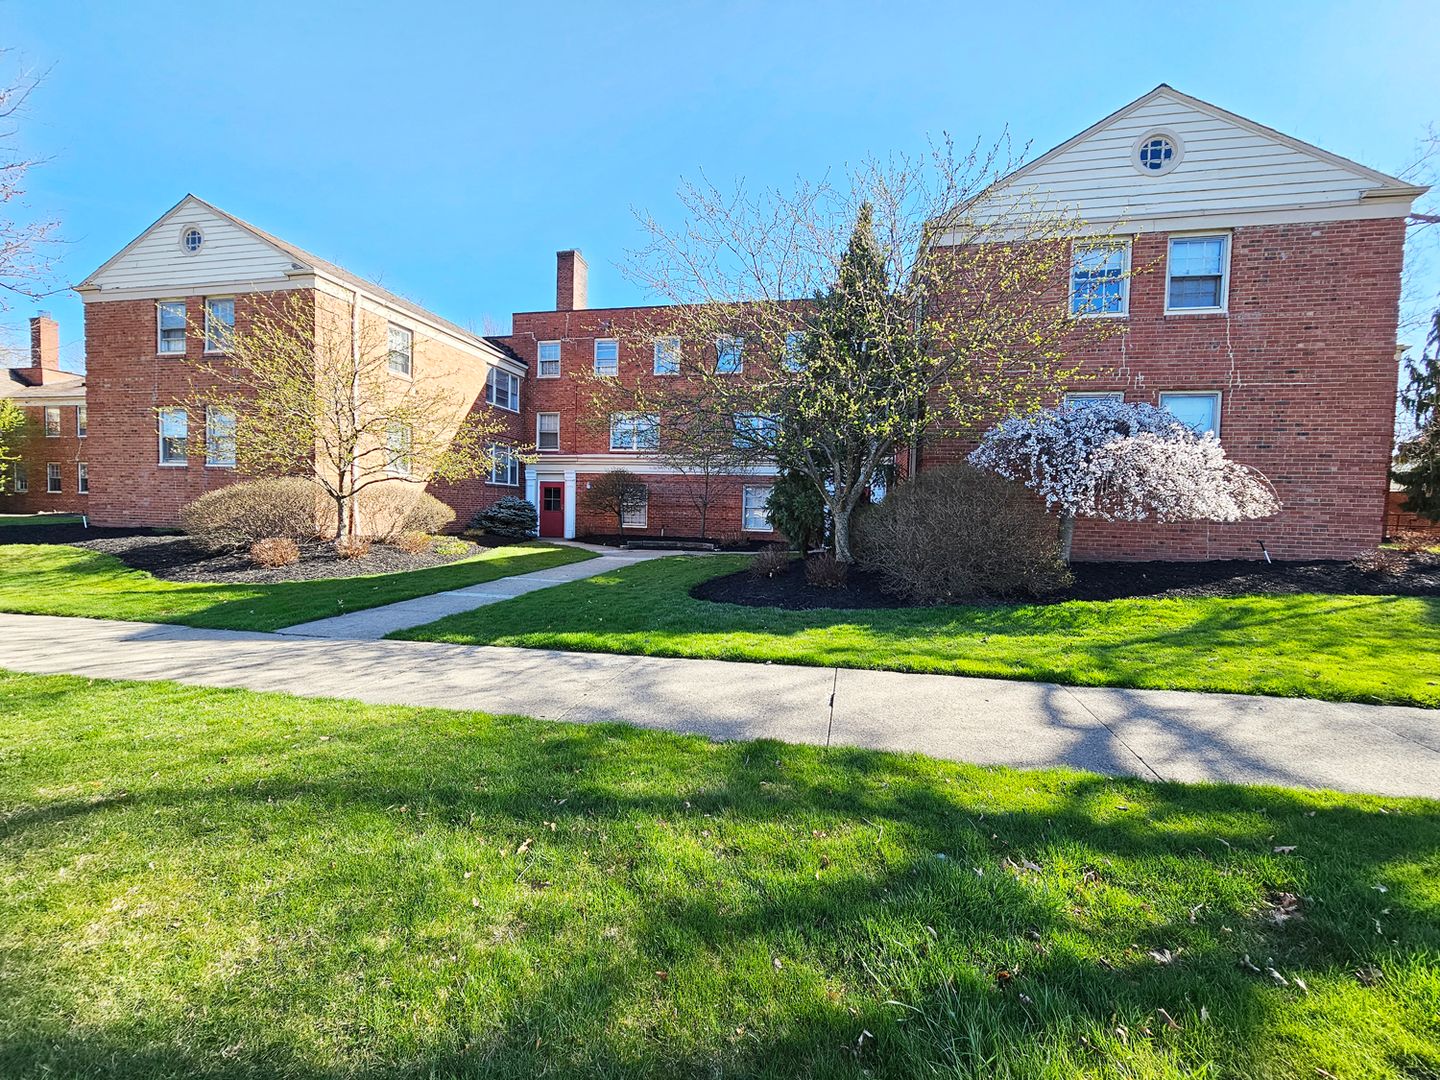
(44, 351)
(572, 280)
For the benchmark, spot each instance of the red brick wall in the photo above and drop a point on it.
(36, 452)
(1305, 361)
(674, 511)
(1398, 519)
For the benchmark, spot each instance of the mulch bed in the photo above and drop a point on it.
(63, 534)
(1419, 575)
(176, 558)
(619, 541)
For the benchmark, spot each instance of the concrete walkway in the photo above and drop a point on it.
(1154, 734)
(373, 624)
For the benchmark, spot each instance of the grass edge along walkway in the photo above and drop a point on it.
(57, 579)
(1372, 649)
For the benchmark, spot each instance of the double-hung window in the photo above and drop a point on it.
(174, 437)
(398, 442)
(504, 466)
(548, 366)
(170, 327)
(219, 323)
(794, 350)
(728, 359)
(547, 431)
(82, 422)
(634, 431)
(754, 509)
(52, 421)
(219, 437)
(1080, 400)
(607, 356)
(635, 514)
(502, 390)
(667, 356)
(19, 478)
(1199, 410)
(754, 431)
(52, 478)
(82, 478)
(1099, 282)
(1197, 273)
(402, 349)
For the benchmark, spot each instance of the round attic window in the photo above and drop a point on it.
(1157, 153)
(191, 238)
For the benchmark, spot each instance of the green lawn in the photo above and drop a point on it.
(39, 519)
(1348, 648)
(55, 579)
(219, 883)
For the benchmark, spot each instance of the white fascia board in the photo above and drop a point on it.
(640, 464)
(93, 294)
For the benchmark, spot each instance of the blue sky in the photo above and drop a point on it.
(449, 149)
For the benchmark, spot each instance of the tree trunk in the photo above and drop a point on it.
(840, 524)
(1067, 534)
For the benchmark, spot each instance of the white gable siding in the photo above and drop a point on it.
(1227, 169)
(230, 256)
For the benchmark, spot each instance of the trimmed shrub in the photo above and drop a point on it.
(234, 517)
(274, 551)
(1382, 562)
(451, 548)
(826, 572)
(797, 511)
(511, 516)
(770, 561)
(394, 507)
(352, 548)
(413, 543)
(957, 533)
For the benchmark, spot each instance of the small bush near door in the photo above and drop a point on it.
(511, 516)
(957, 533)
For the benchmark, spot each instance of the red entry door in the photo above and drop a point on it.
(552, 510)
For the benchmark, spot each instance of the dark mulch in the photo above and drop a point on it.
(1418, 576)
(65, 534)
(616, 540)
(176, 558)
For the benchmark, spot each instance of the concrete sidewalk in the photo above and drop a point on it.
(372, 624)
(1149, 733)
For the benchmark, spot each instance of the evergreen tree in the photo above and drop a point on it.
(1417, 458)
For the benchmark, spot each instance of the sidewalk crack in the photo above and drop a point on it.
(1113, 733)
(830, 723)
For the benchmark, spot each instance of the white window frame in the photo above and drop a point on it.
(644, 522)
(1076, 396)
(82, 421)
(502, 455)
(19, 478)
(668, 348)
(160, 306)
(539, 431)
(399, 446)
(1161, 395)
(82, 478)
(609, 370)
(395, 333)
(1227, 240)
(54, 479)
(52, 412)
(738, 341)
(747, 423)
(212, 461)
(513, 389)
(634, 446)
(1125, 247)
(184, 458)
(746, 509)
(213, 345)
(541, 360)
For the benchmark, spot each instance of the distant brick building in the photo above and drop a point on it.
(52, 475)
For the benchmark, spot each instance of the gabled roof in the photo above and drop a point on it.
(66, 384)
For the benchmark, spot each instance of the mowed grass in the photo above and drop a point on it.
(39, 519)
(1344, 648)
(201, 882)
(54, 579)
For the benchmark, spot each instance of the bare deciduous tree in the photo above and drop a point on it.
(616, 493)
(25, 239)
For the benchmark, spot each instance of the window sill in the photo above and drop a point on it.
(538, 375)
(642, 526)
(1079, 315)
(1197, 311)
(219, 465)
(501, 483)
(173, 464)
(170, 356)
(503, 408)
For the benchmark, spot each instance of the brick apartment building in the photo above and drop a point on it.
(1257, 279)
(52, 475)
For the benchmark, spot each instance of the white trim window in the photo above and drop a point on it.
(19, 478)
(1199, 410)
(755, 509)
(636, 515)
(729, 354)
(82, 478)
(1100, 278)
(1197, 275)
(52, 421)
(502, 389)
(398, 443)
(794, 358)
(219, 323)
(634, 431)
(755, 431)
(174, 437)
(547, 362)
(401, 342)
(504, 466)
(547, 431)
(52, 478)
(82, 421)
(1080, 399)
(170, 327)
(667, 356)
(607, 356)
(219, 437)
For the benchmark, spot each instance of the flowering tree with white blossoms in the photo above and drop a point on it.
(1121, 461)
